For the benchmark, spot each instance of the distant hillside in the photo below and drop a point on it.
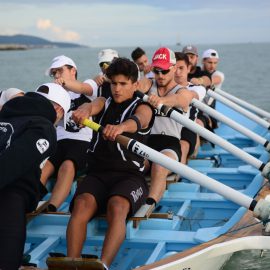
(27, 42)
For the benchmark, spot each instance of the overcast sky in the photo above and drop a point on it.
(129, 23)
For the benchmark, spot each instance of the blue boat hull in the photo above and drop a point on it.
(194, 215)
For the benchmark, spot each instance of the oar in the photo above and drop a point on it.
(239, 109)
(231, 123)
(212, 137)
(260, 208)
(243, 103)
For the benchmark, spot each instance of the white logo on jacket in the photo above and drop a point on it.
(42, 145)
(6, 132)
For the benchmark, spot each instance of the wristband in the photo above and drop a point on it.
(150, 201)
(136, 119)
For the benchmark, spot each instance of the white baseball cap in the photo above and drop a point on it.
(60, 61)
(6, 95)
(210, 53)
(107, 55)
(56, 93)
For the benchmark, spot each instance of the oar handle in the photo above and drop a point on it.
(98, 128)
(93, 125)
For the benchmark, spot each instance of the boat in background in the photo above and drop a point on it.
(191, 228)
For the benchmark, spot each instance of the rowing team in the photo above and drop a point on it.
(114, 179)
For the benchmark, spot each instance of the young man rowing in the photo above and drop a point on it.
(115, 183)
(166, 133)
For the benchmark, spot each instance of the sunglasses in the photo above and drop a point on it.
(104, 65)
(54, 71)
(161, 71)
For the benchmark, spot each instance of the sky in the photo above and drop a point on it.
(115, 23)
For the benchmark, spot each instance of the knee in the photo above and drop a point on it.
(84, 207)
(118, 207)
(200, 122)
(67, 165)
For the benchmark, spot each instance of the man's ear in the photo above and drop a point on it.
(136, 84)
(73, 71)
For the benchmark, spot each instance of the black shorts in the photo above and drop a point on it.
(74, 150)
(164, 142)
(190, 137)
(103, 185)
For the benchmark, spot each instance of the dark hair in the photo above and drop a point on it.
(123, 66)
(182, 56)
(137, 53)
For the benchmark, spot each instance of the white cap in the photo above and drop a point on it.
(107, 55)
(210, 53)
(60, 61)
(8, 94)
(56, 93)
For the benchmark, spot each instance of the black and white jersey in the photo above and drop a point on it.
(105, 155)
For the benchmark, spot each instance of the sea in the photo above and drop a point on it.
(245, 67)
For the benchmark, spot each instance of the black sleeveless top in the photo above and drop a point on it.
(105, 155)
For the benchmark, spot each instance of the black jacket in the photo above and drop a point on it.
(27, 139)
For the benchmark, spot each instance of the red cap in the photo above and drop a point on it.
(163, 58)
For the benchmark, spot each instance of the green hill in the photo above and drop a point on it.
(28, 42)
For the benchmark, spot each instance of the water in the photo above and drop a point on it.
(249, 260)
(245, 67)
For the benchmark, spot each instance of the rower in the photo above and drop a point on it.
(115, 180)
(166, 133)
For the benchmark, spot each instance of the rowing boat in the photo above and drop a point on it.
(191, 228)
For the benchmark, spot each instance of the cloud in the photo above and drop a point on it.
(58, 32)
(44, 24)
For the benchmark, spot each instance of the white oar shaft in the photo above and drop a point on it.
(189, 173)
(243, 103)
(261, 209)
(239, 109)
(212, 137)
(224, 119)
(186, 122)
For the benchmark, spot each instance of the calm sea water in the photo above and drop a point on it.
(246, 69)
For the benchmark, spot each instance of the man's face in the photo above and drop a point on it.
(65, 72)
(142, 62)
(122, 88)
(164, 77)
(181, 72)
(210, 64)
(59, 112)
(193, 59)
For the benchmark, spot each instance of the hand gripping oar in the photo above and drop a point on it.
(231, 123)
(239, 109)
(210, 136)
(261, 208)
(243, 103)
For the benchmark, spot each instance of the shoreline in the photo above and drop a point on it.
(11, 47)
